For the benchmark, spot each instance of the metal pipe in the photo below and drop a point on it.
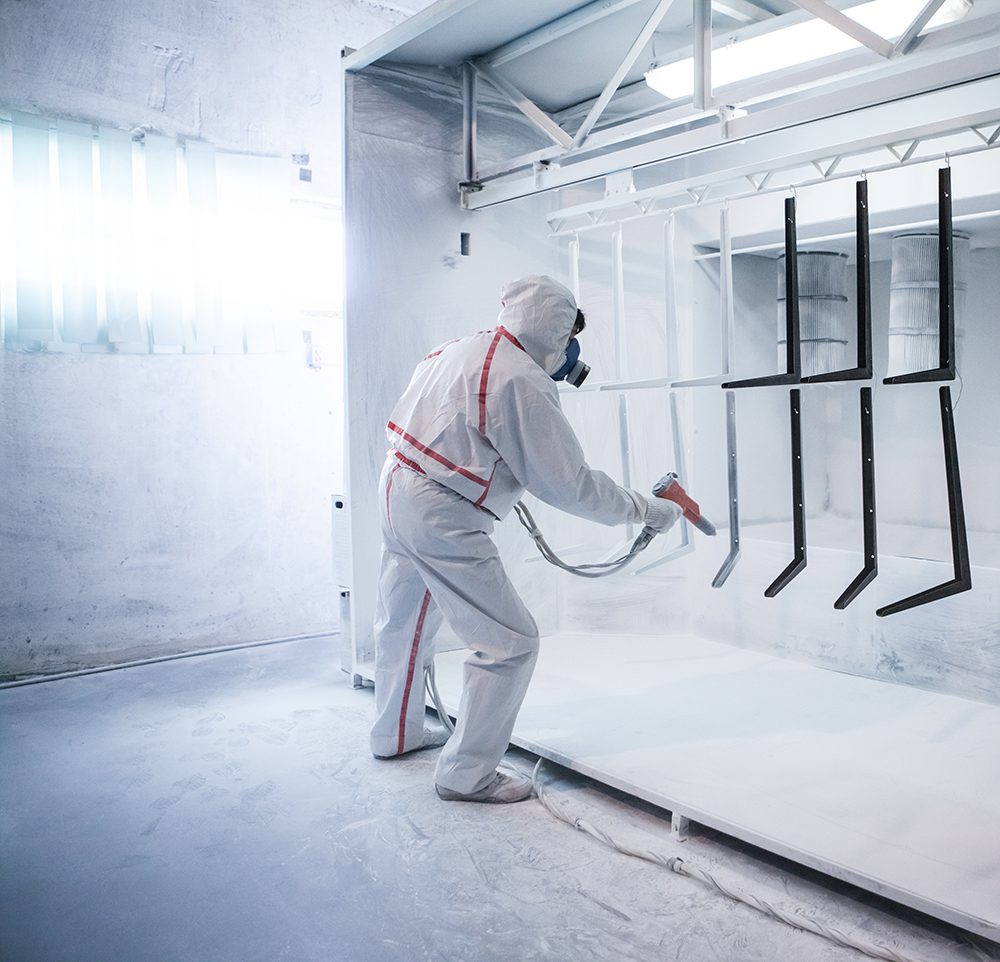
(470, 132)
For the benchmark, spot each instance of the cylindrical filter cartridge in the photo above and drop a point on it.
(913, 299)
(824, 325)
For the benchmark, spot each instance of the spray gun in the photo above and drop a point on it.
(667, 487)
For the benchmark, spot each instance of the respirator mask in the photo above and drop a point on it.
(573, 371)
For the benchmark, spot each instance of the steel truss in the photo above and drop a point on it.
(918, 64)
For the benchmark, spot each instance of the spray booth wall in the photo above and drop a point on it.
(431, 293)
(155, 503)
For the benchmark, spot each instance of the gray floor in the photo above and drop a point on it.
(225, 807)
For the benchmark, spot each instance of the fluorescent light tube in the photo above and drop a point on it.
(798, 44)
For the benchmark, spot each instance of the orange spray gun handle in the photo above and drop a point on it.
(669, 488)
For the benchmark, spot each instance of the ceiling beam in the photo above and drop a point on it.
(913, 31)
(846, 24)
(742, 10)
(624, 67)
(560, 27)
(525, 104)
(881, 110)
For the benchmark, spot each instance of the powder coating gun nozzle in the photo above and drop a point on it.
(669, 487)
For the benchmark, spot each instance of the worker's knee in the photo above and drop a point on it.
(511, 649)
(525, 648)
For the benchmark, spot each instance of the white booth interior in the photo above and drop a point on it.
(861, 745)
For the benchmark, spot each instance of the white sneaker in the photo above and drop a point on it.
(433, 738)
(504, 788)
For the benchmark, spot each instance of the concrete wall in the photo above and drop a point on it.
(160, 503)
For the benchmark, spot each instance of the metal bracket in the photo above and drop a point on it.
(869, 572)
(863, 371)
(793, 358)
(726, 307)
(945, 371)
(680, 827)
(686, 546)
(798, 561)
(734, 507)
(962, 580)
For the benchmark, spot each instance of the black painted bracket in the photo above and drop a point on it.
(863, 370)
(945, 371)
(962, 581)
(870, 570)
(793, 350)
(798, 562)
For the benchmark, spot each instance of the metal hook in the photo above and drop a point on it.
(947, 159)
(864, 175)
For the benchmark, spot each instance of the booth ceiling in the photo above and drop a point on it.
(558, 52)
(577, 74)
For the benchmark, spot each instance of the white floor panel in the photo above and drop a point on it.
(892, 788)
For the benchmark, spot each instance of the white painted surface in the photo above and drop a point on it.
(259, 77)
(160, 503)
(894, 789)
(154, 504)
(229, 809)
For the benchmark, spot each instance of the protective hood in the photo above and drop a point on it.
(540, 313)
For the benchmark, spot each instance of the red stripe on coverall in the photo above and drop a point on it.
(410, 464)
(479, 501)
(440, 458)
(485, 376)
(441, 348)
(415, 647)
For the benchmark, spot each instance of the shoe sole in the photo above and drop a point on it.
(456, 797)
(410, 751)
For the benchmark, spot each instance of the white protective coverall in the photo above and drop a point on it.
(479, 423)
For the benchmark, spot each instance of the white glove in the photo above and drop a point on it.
(661, 515)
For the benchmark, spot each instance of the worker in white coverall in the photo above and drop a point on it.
(479, 423)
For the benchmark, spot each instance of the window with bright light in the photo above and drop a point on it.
(138, 243)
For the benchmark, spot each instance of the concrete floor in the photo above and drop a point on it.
(225, 808)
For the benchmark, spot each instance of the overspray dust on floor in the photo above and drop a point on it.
(226, 807)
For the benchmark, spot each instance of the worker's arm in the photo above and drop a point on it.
(527, 427)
